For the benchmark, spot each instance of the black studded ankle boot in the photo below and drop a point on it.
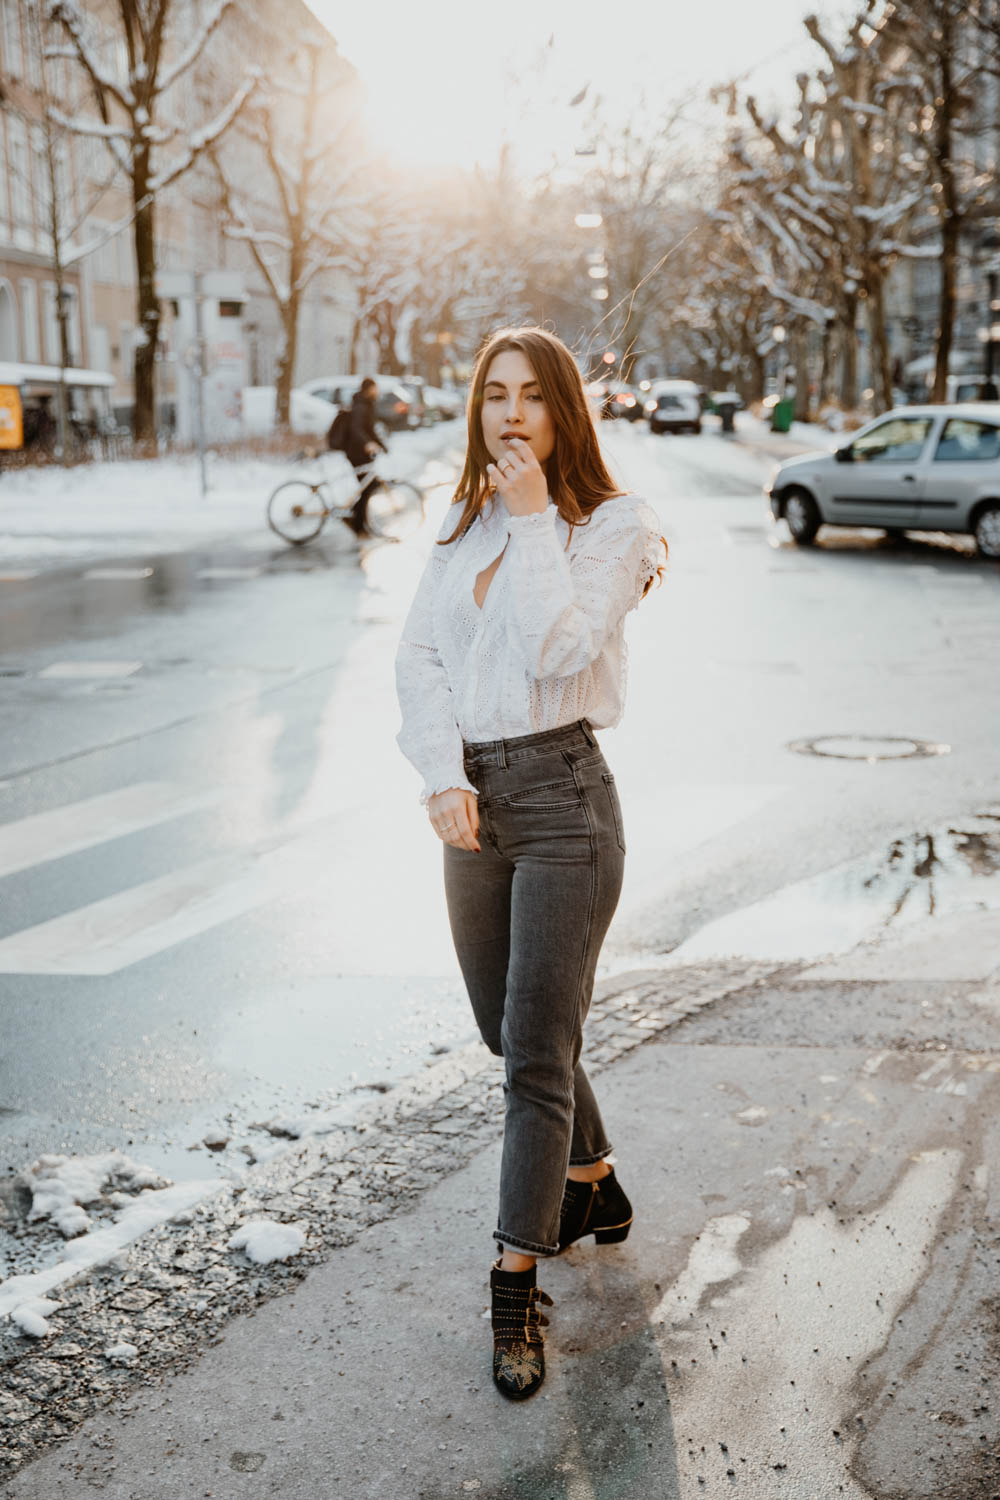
(518, 1343)
(597, 1208)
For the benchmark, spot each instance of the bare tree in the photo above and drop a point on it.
(937, 54)
(301, 122)
(128, 122)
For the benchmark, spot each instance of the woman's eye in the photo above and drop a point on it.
(536, 398)
(494, 398)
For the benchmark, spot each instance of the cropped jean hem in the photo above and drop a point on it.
(509, 1242)
(591, 1161)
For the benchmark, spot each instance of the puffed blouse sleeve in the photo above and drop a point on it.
(429, 737)
(564, 607)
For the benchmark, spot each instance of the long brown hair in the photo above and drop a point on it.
(577, 475)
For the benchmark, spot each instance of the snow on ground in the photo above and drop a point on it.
(104, 509)
(810, 433)
(61, 1185)
(263, 1240)
(124, 1204)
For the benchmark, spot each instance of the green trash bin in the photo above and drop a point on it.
(782, 416)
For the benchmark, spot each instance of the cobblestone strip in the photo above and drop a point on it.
(174, 1291)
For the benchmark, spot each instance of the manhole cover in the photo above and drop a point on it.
(867, 747)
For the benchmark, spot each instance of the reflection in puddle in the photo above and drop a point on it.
(950, 869)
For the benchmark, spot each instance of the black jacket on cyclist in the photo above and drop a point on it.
(362, 431)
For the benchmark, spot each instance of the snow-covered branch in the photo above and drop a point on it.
(202, 139)
(69, 16)
(85, 126)
(191, 53)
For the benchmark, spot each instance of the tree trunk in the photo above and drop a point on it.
(356, 331)
(800, 356)
(946, 310)
(849, 352)
(943, 167)
(826, 367)
(148, 307)
(881, 370)
(286, 364)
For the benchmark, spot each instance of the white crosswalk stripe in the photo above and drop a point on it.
(108, 935)
(82, 825)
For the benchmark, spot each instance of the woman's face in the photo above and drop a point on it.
(513, 407)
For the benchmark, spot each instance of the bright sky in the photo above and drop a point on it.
(449, 80)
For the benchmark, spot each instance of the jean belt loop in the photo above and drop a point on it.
(501, 755)
(591, 740)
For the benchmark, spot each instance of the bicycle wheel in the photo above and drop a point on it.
(296, 511)
(395, 510)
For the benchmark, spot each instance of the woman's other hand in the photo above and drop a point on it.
(519, 479)
(454, 816)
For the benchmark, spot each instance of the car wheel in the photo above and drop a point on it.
(987, 532)
(803, 517)
(696, 429)
(655, 427)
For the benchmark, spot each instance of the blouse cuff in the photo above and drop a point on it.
(446, 782)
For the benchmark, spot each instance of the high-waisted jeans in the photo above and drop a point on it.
(528, 915)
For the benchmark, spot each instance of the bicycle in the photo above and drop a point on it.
(299, 508)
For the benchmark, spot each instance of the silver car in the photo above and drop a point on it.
(919, 468)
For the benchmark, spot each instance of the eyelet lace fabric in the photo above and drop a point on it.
(547, 647)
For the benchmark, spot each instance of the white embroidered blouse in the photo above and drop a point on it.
(547, 647)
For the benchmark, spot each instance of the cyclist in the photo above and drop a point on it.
(363, 443)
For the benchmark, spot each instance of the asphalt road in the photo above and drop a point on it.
(220, 901)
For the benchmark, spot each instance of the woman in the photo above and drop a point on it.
(511, 656)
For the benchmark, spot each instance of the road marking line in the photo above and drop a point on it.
(95, 820)
(228, 573)
(111, 934)
(91, 669)
(117, 573)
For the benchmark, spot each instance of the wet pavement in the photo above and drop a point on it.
(805, 1307)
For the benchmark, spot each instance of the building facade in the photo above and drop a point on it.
(93, 203)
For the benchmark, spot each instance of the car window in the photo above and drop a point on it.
(896, 440)
(963, 440)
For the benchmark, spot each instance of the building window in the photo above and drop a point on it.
(230, 309)
(8, 322)
(29, 322)
(33, 43)
(10, 36)
(20, 177)
(50, 323)
(3, 183)
(42, 189)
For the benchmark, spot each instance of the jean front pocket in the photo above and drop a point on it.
(550, 796)
(616, 808)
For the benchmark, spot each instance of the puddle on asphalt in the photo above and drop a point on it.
(952, 869)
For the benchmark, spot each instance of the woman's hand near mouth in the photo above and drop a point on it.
(519, 479)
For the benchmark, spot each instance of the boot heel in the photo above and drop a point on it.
(612, 1236)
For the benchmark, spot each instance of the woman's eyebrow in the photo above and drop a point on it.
(501, 387)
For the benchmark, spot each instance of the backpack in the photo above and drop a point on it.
(340, 431)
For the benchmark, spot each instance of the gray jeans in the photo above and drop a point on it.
(528, 916)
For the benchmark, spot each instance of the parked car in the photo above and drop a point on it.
(674, 406)
(441, 405)
(394, 404)
(308, 414)
(919, 468)
(622, 402)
